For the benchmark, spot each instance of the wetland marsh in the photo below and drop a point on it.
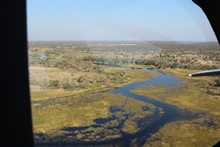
(102, 96)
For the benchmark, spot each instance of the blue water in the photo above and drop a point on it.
(171, 113)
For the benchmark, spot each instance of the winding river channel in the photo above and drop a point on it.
(170, 113)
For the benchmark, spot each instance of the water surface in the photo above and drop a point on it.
(157, 120)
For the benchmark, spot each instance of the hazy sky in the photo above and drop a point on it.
(170, 20)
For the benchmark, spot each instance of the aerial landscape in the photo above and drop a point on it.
(120, 93)
(122, 74)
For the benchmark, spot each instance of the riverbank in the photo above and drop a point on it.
(191, 95)
(88, 118)
(72, 103)
(201, 132)
(128, 77)
(81, 112)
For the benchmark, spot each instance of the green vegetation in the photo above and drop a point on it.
(51, 117)
(73, 68)
(201, 132)
(54, 83)
(58, 82)
(192, 96)
(68, 78)
(199, 56)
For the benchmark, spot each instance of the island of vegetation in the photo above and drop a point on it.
(69, 84)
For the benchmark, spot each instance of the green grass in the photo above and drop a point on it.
(110, 77)
(49, 117)
(186, 134)
(192, 96)
(141, 66)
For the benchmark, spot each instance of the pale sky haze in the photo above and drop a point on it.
(163, 20)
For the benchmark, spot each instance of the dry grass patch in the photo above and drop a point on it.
(186, 134)
(191, 96)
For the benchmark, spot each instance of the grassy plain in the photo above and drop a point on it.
(194, 95)
(112, 77)
(201, 132)
(52, 117)
(66, 81)
(79, 69)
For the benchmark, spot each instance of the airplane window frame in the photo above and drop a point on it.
(17, 122)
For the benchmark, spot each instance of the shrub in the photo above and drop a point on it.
(67, 86)
(89, 58)
(54, 83)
